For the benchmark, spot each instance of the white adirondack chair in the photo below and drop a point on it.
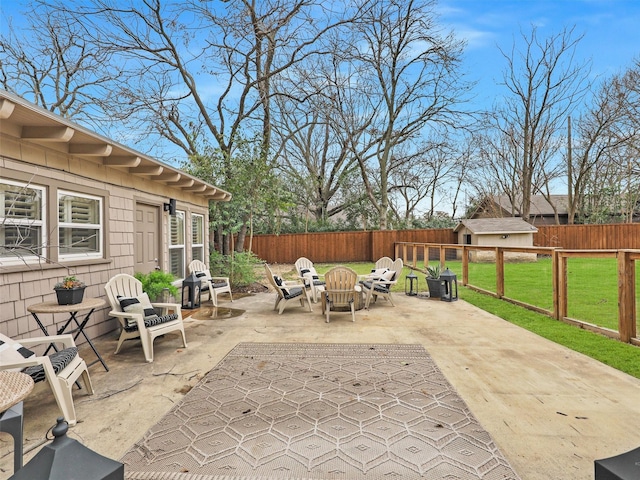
(60, 369)
(287, 292)
(379, 285)
(213, 285)
(139, 321)
(340, 290)
(307, 272)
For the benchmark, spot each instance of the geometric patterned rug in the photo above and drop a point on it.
(319, 411)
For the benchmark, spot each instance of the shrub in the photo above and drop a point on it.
(155, 282)
(239, 269)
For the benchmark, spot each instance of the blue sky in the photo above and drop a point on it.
(611, 30)
(610, 27)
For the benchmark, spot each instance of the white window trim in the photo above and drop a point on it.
(183, 245)
(42, 223)
(198, 245)
(99, 227)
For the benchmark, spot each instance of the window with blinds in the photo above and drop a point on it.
(176, 244)
(197, 237)
(79, 225)
(22, 224)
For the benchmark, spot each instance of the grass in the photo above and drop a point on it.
(530, 282)
(592, 286)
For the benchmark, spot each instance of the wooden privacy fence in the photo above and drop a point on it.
(334, 247)
(615, 236)
(418, 256)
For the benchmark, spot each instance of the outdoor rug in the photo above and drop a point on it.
(319, 411)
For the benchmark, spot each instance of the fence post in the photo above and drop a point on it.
(499, 272)
(562, 286)
(465, 265)
(626, 296)
(555, 275)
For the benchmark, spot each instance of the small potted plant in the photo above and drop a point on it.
(155, 284)
(70, 290)
(433, 281)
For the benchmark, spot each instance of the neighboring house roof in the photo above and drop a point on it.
(493, 226)
(37, 125)
(540, 206)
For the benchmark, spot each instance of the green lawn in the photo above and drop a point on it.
(592, 285)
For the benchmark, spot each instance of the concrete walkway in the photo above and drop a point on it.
(551, 411)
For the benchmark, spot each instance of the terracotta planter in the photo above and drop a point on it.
(70, 296)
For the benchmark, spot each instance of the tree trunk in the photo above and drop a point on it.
(242, 235)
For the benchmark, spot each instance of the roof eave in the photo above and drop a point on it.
(34, 124)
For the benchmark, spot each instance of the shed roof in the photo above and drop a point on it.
(493, 226)
(32, 123)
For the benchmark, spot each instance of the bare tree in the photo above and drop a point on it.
(412, 186)
(408, 83)
(317, 164)
(57, 68)
(205, 77)
(543, 83)
(604, 133)
(314, 136)
(200, 74)
(433, 176)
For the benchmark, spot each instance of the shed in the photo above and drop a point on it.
(76, 202)
(496, 232)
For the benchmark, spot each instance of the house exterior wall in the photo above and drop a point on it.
(22, 284)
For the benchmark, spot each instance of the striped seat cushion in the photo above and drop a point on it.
(215, 284)
(59, 360)
(293, 293)
(204, 286)
(153, 321)
(376, 288)
(12, 352)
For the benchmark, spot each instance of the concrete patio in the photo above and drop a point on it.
(550, 410)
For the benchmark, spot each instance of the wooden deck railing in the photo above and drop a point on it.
(420, 255)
